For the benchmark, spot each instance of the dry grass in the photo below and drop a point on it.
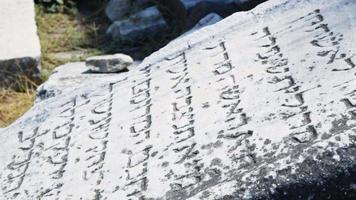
(64, 32)
(14, 104)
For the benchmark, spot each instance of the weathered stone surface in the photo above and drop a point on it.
(109, 63)
(258, 106)
(20, 48)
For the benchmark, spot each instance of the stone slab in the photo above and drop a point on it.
(20, 48)
(258, 106)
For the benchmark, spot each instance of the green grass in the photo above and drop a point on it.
(65, 32)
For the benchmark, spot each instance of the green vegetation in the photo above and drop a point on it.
(55, 6)
(66, 37)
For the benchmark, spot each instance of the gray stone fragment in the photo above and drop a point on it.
(20, 48)
(143, 24)
(109, 63)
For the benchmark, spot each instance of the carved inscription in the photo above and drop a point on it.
(183, 119)
(327, 41)
(296, 111)
(99, 121)
(140, 131)
(16, 170)
(235, 118)
(55, 156)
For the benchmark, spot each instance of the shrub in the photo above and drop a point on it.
(55, 5)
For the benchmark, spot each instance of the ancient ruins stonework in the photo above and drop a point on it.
(20, 47)
(261, 105)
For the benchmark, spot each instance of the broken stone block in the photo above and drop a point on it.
(20, 48)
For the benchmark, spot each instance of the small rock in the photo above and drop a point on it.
(109, 63)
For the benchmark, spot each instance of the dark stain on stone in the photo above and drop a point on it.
(209, 146)
(216, 162)
(165, 164)
(325, 136)
(154, 154)
(205, 195)
(340, 125)
(206, 105)
(267, 141)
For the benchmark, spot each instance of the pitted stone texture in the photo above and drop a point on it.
(261, 105)
(20, 48)
(109, 63)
